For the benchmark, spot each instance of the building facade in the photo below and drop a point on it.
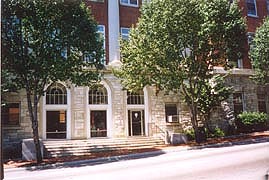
(70, 112)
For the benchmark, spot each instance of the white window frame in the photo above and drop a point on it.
(256, 13)
(98, 1)
(128, 3)
(125, 36)
(240, 63)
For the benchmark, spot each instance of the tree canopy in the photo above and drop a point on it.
(48, 41)
(259, 53)
(176, 44)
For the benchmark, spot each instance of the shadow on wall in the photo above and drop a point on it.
(12, 151)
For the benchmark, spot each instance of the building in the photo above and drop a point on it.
(69, 112)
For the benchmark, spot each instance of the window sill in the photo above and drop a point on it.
(129, 5)
(253, 16)
(11, 127)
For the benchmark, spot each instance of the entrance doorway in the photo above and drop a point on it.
(98, 124)
(56, 124)
(136, 123)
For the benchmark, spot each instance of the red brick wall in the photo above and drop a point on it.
(253, 22)
(100, 13)
(129, 15)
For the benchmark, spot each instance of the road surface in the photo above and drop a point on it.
(239, 162)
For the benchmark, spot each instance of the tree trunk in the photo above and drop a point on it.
(33, 115)
(199, 132)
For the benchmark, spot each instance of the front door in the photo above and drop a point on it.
(56, 124)
(98, 124)
(136, 122)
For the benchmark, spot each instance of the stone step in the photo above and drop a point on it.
(59, 148)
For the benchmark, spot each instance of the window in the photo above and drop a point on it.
(251, 8)
(129, 2)
(171, 113)
(125, 33)
(135, 98)
(10, 114)
(56, 94)
(250, 36)
(98, 95)
(239, 63)
(101, 32)
(238, 103)
(261, 103)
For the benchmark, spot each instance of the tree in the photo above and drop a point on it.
(48, 41)
(259, 53)
(213, 93)
(176, 44)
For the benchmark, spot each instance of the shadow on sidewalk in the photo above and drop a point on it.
(91, 161)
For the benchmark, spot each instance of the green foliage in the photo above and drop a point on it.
(213, 93)
(253, 118)
(259, 53)
(44, 42)
(216, 133)
(176, 44)
(190, 134)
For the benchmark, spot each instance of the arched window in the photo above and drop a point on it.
(98, 95)
(135, 98)
(56, 94)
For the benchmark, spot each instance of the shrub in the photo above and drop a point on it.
(216, 133)
(252, 121)
(190, 134)
(252, 118)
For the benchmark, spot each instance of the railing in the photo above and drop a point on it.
(161, 131)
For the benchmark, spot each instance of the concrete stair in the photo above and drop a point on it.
(61, 148)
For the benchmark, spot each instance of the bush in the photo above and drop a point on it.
(252, 121)
(190, 134)
(216, 133)
(252, 118)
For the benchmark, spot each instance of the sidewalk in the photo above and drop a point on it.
(99, 158)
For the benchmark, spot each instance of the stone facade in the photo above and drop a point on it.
(78, 111)
(118, 113)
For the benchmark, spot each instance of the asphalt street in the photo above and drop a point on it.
(250, 161)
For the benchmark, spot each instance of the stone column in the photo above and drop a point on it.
(113, 30)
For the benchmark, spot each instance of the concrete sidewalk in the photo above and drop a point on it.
(164, 150)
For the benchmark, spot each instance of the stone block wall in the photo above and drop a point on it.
(119, 116)
(78, 111)
(13, 135)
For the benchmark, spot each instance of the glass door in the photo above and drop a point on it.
(56, 124)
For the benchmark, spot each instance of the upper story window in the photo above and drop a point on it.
(250, 37)
(10, 114)
(129, 2)
(239, 63)
(135, 98)
(98, 95)
(101, 32)
(125, 33)
(56, 94)
(251, 8)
